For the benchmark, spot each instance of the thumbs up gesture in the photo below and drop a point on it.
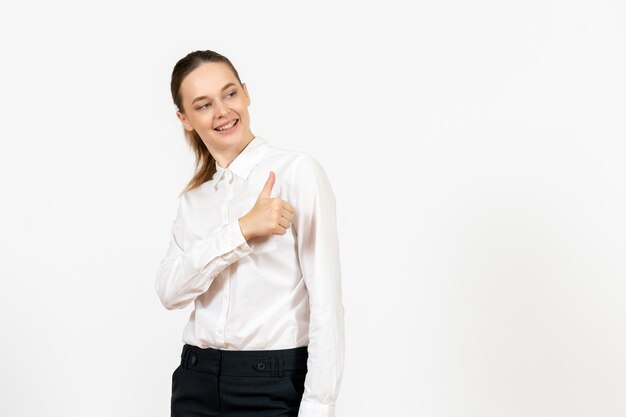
(268, 216)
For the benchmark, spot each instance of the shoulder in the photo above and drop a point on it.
(298, 161)
(282, 157)
(307, 176)
(308, 166)
(188, 202)
(294, 164)
(186, 198)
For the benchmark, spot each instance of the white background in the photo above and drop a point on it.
(476, 150)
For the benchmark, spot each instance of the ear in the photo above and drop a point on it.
(245, 89)
(184, 121)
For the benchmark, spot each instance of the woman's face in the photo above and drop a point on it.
(212, 98)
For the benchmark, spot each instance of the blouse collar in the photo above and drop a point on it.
(243, 163)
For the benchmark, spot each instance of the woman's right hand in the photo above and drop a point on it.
(268, 216)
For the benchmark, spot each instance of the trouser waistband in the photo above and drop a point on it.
(244, 362)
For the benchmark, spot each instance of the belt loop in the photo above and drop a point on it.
(277, 366)
(184, 358)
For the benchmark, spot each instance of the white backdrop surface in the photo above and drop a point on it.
(476, 150)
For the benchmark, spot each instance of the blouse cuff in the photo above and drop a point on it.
(310, 409)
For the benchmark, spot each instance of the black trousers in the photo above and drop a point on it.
(249, 383)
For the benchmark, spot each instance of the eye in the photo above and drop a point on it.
(231, 94)
(201, 107)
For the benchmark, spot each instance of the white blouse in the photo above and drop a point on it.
(276, 292)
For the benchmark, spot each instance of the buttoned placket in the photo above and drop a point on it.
(226, 183)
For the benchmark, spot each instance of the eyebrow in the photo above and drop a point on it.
(203, 97)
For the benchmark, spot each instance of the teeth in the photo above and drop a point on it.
(228, 126)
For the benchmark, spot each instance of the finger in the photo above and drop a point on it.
(283, 226)
(284, 223)
(287, 215)
(267, 188)
(288, 206)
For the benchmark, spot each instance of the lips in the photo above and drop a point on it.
(228, 122)
(235, 126)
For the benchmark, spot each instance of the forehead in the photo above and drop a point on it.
(207, 79)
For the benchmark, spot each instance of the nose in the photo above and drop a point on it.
(220, 108)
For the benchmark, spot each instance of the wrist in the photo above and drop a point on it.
(243, 225)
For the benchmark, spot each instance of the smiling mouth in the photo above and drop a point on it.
(228, 127)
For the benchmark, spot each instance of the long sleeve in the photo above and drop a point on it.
(315, 225)
(185, 273)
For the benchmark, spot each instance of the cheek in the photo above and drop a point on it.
(242, 111)
(206, 120)
(241, 106)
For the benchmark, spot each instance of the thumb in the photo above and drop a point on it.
(267, 188)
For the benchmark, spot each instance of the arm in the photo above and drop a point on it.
(315, 225)
(185, 273)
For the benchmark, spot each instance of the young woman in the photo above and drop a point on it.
(254, 246)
